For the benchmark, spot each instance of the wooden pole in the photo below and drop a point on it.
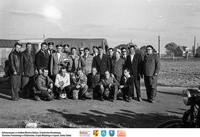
(159, 46)
(194, 52)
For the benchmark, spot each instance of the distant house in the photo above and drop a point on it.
(78, 42)
(6, 45)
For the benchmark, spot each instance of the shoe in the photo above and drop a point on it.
(15, 99)
(128, 99)
(37, 98)
(111, 100)
(102, 99)
(151, 101)
(139, 99)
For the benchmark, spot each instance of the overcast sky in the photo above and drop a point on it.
(119, 21)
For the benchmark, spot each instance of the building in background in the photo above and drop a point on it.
(78, 42)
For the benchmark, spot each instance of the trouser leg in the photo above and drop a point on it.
(46, 95)
(147, 86)
(153, 87)
(15, 86)
(137, 87)
(101, 92)
(84, 90)
(113, 93)
(25, 88)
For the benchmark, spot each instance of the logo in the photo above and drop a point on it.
(84, 133)
(95, 133)
(111, 133)
(103, 133)
(121, 133)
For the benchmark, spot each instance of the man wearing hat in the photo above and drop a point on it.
(134, 64)
(51, 48)
(101, 62)
(56, 61)
(151, 65)
(124, 53)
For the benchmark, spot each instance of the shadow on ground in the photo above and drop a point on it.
(121, 119)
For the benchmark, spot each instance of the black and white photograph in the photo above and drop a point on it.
(100, 64)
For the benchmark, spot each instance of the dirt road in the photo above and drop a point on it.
(92, 113)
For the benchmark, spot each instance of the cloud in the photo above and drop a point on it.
(193, 28)
(24, 13)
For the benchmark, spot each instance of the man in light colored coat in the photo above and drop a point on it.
(57, 60)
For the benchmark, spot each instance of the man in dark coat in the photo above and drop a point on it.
(127, 85)
(28, 70)
(51, 48)
(16, 71)
(134, 64)
(124, 53)
(93, 83)
(101, 62)
(42, 58)
(151, 65)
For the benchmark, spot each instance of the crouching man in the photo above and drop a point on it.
(80, 88)
(62, 83)
(93, 83)
(127, 86)
(44, 87)
(109, 87)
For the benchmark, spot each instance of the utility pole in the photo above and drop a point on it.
(194, 48)
(159, 46)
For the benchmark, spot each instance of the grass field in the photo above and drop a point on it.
(180, 73)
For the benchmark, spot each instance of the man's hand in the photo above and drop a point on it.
(121, 86)
(40, 71)
(112, 75)
(155, 74)
(78, 86)
(36, 72)
(49, 90)
(51, 85)
(15, 73)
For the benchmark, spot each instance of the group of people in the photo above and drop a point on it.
(68, 72)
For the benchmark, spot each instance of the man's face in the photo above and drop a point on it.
(29, 47)
(45, 73)
(59, 49)
(107, 74)
(87, 52)
(100, 51)
(63, 71)
(44, 47)
(132, 50)
(149, 51)
(74, 51)
(95, 50)
(110, 52)
(18, 48)
(94, 71)
(81, 50)
(126, 73)
(66, 48)
(79, 73)
(117, 54)
(124, 52)
(50, 47)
